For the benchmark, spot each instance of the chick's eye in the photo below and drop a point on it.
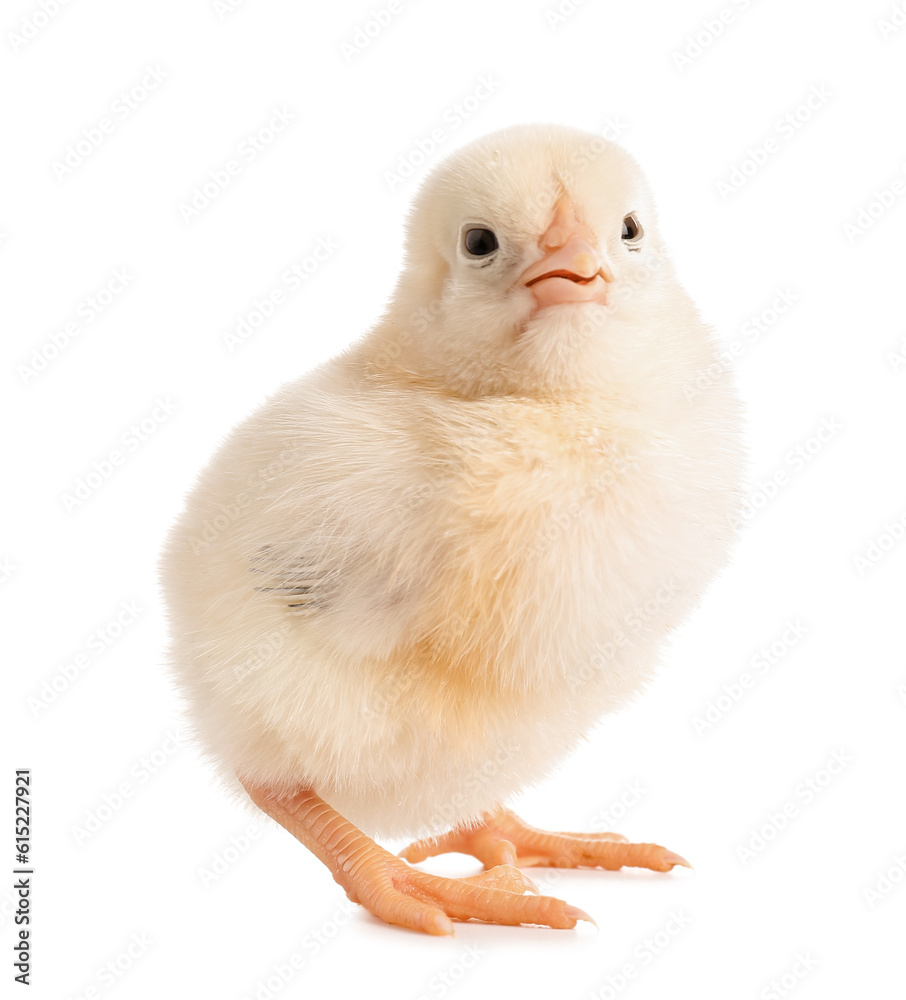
(632, 231)
(479, 242)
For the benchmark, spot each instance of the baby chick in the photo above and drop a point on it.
(409, 585)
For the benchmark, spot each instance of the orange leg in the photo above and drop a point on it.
(396, 892)
(502, 838)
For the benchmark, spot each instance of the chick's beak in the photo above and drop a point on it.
(571, 270)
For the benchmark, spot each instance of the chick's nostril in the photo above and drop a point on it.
(554, 239)
(563, 225)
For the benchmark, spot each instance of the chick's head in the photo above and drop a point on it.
(533, 264)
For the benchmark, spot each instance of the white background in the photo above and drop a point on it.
(105, 745)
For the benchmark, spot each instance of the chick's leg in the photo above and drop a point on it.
(391, 889)
(502, 838)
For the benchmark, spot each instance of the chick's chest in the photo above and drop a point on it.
(526, 465)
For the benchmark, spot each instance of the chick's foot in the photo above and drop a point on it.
(502, 838)
(397, 893)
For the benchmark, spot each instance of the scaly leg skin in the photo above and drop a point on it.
(502, 838)
(396, 892)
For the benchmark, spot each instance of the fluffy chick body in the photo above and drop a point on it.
(414, 580)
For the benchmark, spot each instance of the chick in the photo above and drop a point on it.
(410, 584)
